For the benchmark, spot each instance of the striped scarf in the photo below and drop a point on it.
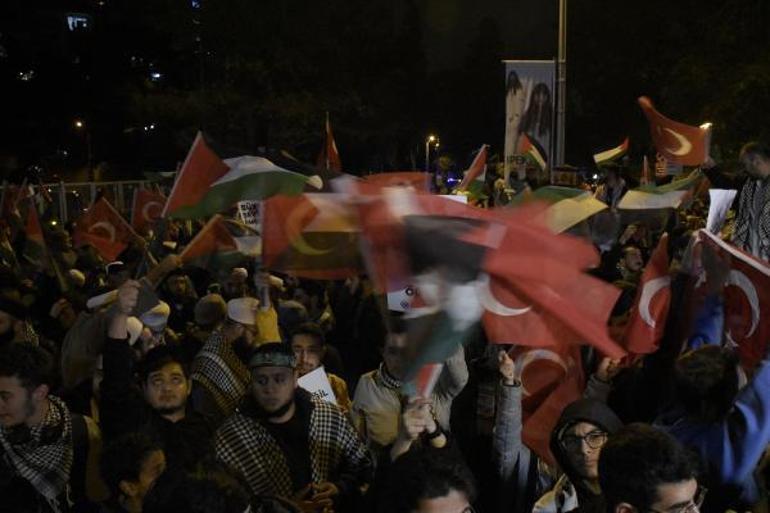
(219, 370)
(754, 192)
(44, 462)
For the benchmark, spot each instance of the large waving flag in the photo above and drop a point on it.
(415, 179)
(648, 317)
(329, 157)
(612, 154)
(477, 169)
(147, 207)
(314, 235)
(532, 149)
(201, 168)
(677, 142)
(568, 206)
(105, 229)
(671, 195)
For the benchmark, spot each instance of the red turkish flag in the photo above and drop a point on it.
(551, 378)
(201, 168)
(747, 301)
(677, 142)
(146, 209)
(653, 298)
(105, 229)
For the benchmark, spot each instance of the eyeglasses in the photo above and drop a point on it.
(694, 505)
(595, 440)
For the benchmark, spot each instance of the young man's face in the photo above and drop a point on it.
(177, 286)
(273, 387)
(633, 260)
(583, 443)
(167, 389)
(308, 351)
(17, 403)
(674, 497)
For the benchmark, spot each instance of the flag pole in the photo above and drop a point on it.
(561, 98)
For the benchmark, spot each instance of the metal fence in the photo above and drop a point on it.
(69, 200)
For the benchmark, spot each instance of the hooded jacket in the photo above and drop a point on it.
(570, 490)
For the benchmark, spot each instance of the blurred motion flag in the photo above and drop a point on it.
(329, 157)
(677, 142)
(105, 229)
(568, 206)
(314, 235)
(221, 243)
(611, 154)
(670, 195)
(417, 180)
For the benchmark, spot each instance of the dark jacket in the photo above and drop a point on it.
(124, 410)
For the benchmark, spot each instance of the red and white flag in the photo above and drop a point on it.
(677, 142)
(653, 298)
(417, 180)
(147, 208)
(105, 229)
(329, 157)
(747, 301)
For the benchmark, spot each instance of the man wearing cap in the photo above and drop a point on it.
(220, 371)
(286, 443)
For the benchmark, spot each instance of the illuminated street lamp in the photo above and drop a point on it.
(81, 125)
(430, 140)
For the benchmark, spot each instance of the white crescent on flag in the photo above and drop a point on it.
(294, 231)
(491, 303)
(533, 355)
(146, 209)
(649, 290)
(106, 226)
(684, 144)
(738, 279)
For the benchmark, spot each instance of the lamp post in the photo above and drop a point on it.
(431, 139)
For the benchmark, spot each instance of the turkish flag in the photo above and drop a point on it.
(747, 301)
(146, 208)
(105, 229)
(677, 142)
(315, 235)
(201, 168)
(551, 378)
(647, 320)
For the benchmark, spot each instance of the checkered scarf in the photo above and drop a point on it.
(219, 370)
(386, 379)
(747, 217)
(45, 464)
(244, 444)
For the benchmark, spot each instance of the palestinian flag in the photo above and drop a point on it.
(477, 170)
(653, 197)
(314, 235)
(568, 206)
(532, 149)
(222, 244)
(611, 154)
(247, 178)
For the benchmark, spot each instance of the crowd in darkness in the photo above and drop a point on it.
(192, 403)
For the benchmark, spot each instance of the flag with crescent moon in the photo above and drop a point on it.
(147, 207)
(105, 229)
(551, 378)
(677, 142)
(653, 297)
(746, 300)
(314, 235)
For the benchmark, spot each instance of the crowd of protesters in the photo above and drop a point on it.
(193, 404)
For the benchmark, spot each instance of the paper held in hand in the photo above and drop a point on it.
(317, 383)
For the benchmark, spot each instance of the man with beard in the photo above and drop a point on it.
(36, 447)
(288, 444)
(220, 371)
(159, 405)
(180, 296)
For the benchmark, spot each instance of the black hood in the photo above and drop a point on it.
(582, 410)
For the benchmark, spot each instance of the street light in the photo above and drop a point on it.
(81, 125)
(431, 139)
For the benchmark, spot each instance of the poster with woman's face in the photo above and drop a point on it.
(529, 107)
